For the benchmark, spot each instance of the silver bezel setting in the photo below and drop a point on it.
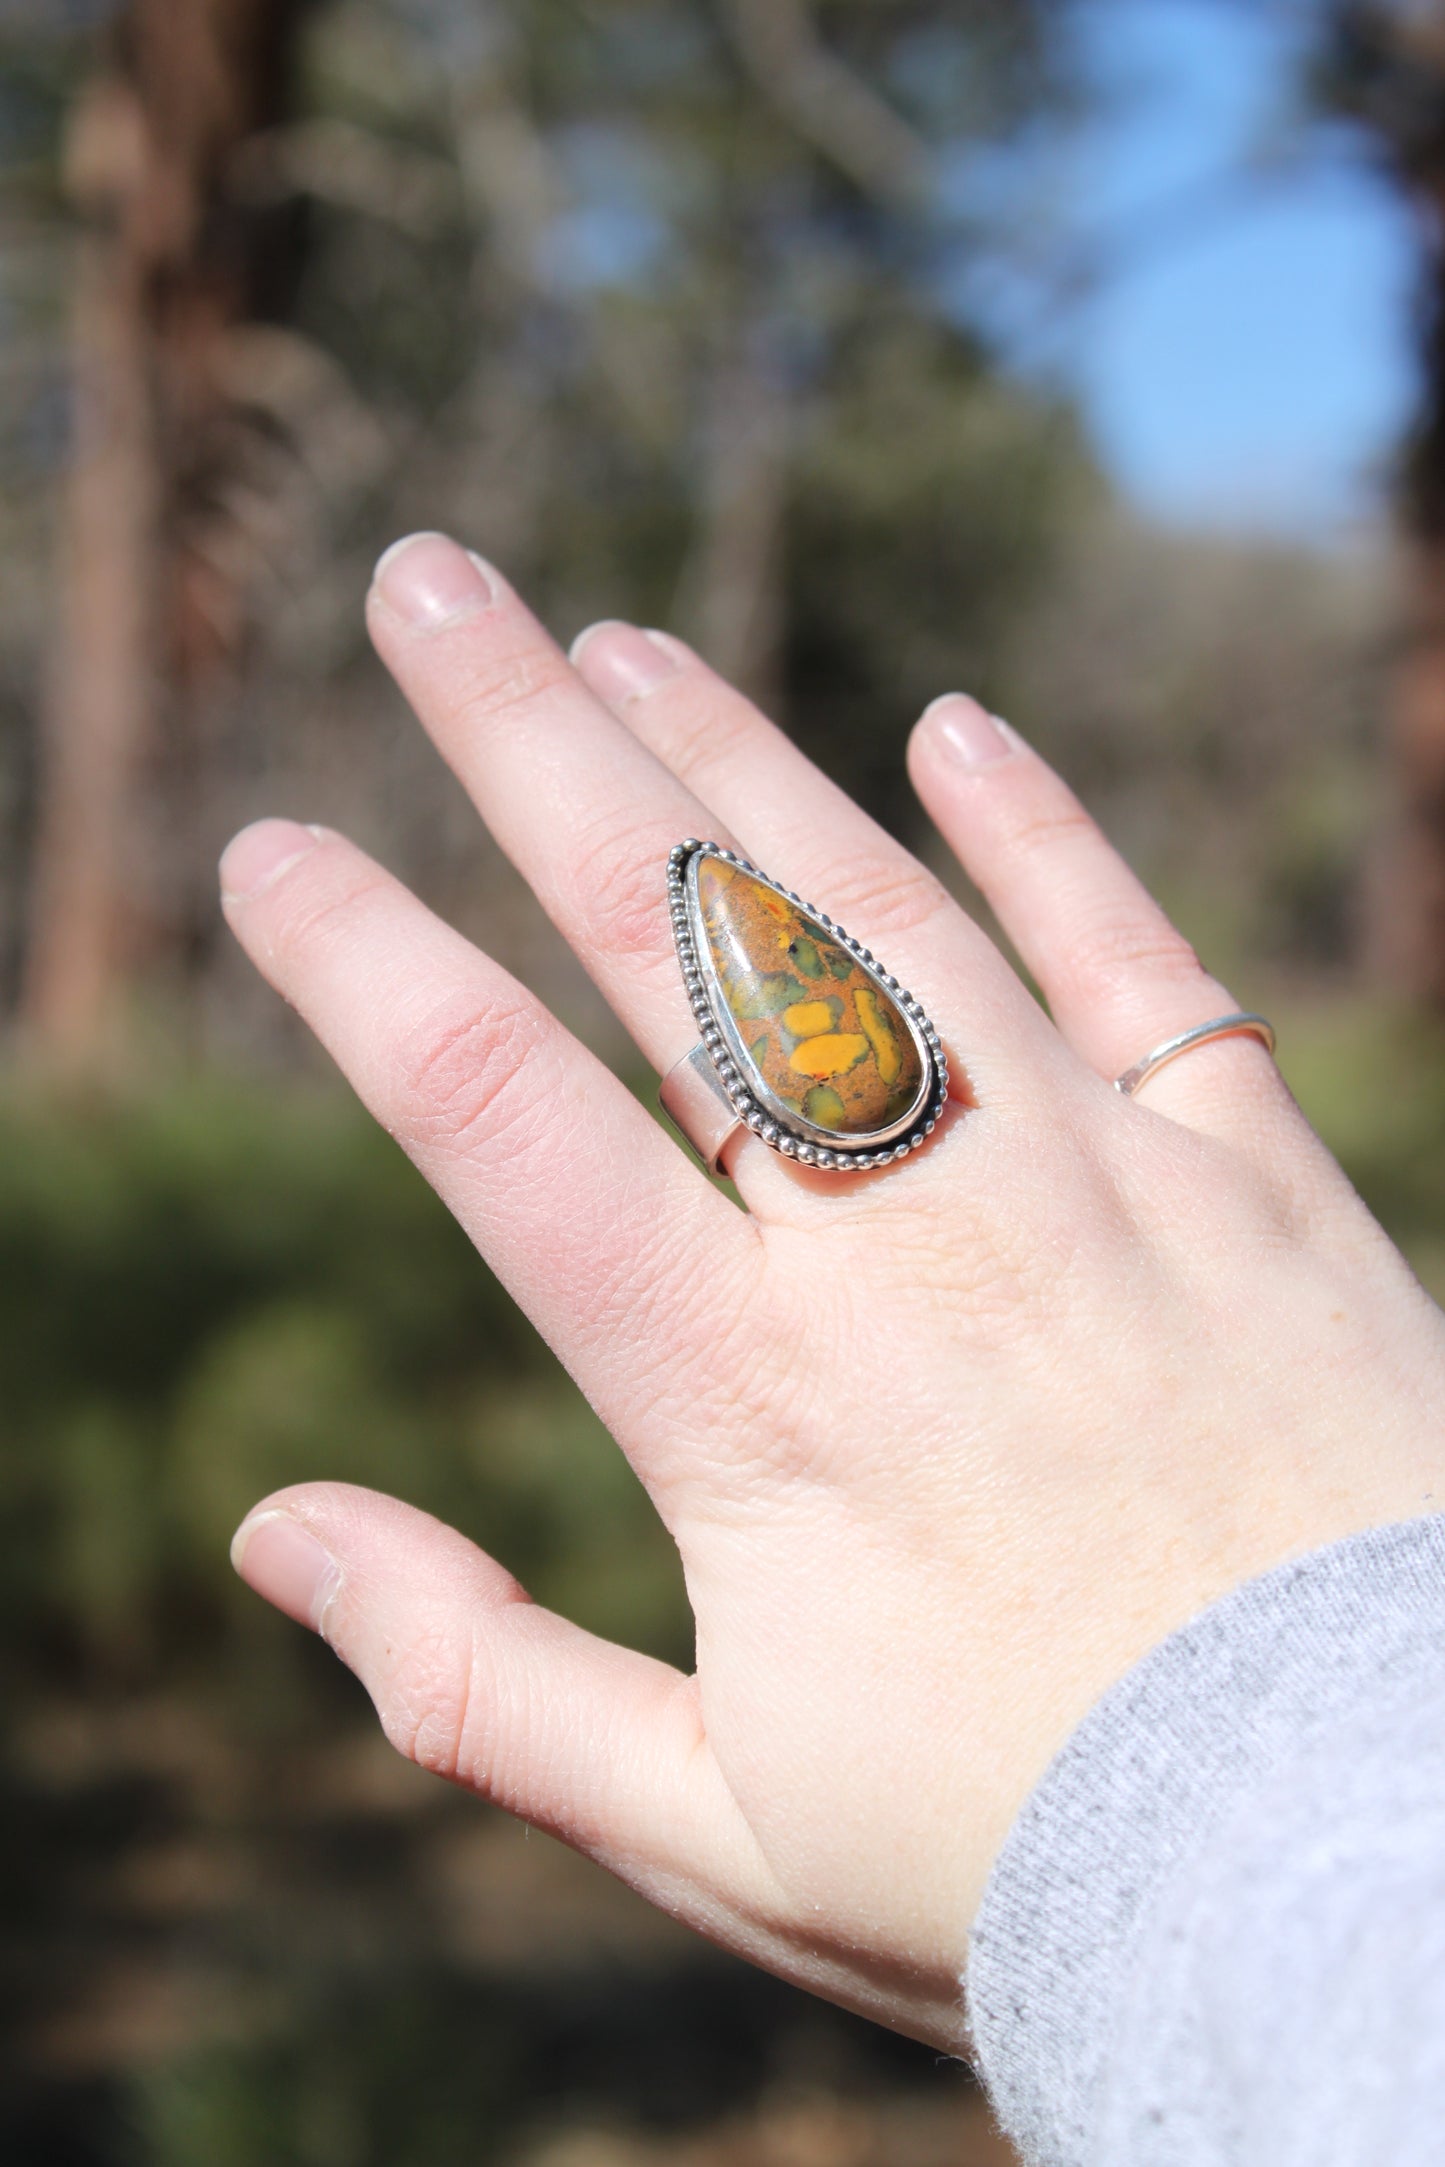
(764, 1115)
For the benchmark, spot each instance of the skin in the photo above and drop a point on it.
(945, 1449)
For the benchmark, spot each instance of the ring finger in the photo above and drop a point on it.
(1119, 978)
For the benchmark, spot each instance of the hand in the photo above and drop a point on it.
(944, 1448)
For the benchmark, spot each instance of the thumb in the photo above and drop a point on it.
(593, 1742)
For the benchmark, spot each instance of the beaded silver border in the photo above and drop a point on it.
(783, 1137)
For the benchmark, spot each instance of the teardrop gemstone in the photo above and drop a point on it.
(822, 1032)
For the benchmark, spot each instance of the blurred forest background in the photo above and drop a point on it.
(659, 303)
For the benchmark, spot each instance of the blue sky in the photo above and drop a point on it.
(1252, 364)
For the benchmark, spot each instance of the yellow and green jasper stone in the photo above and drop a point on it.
(822, 1033)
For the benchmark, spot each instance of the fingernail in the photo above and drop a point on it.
(287, 1566)
(620, 661)
(261, 854)
(967, 732)
(431, 581)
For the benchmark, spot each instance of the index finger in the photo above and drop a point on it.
(585, 1210)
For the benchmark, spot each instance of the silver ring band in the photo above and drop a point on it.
(692, 1097)
(1243, 1024)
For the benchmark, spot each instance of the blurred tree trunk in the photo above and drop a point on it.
(1384, 64)
(730, 596)
(1408, 932)
(1409, 919)
(166, 266)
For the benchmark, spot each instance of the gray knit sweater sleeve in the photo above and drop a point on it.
(1216, 1934)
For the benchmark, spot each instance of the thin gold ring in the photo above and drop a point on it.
(1243, 1024)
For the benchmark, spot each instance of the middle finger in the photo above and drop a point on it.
(585, 812)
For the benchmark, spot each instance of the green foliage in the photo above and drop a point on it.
(932, 504)
(213, 1294)
(1370, 1076)
(581, 2062)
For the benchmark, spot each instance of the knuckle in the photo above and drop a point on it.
(495, 686)
(458, 1073)
(618, 870)
(1044, 823)
(429, 1700)
(877, 890)
(711, 732)
(1116, 953)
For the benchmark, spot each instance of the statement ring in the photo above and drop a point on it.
(1242, 1024)
(805, 1039)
